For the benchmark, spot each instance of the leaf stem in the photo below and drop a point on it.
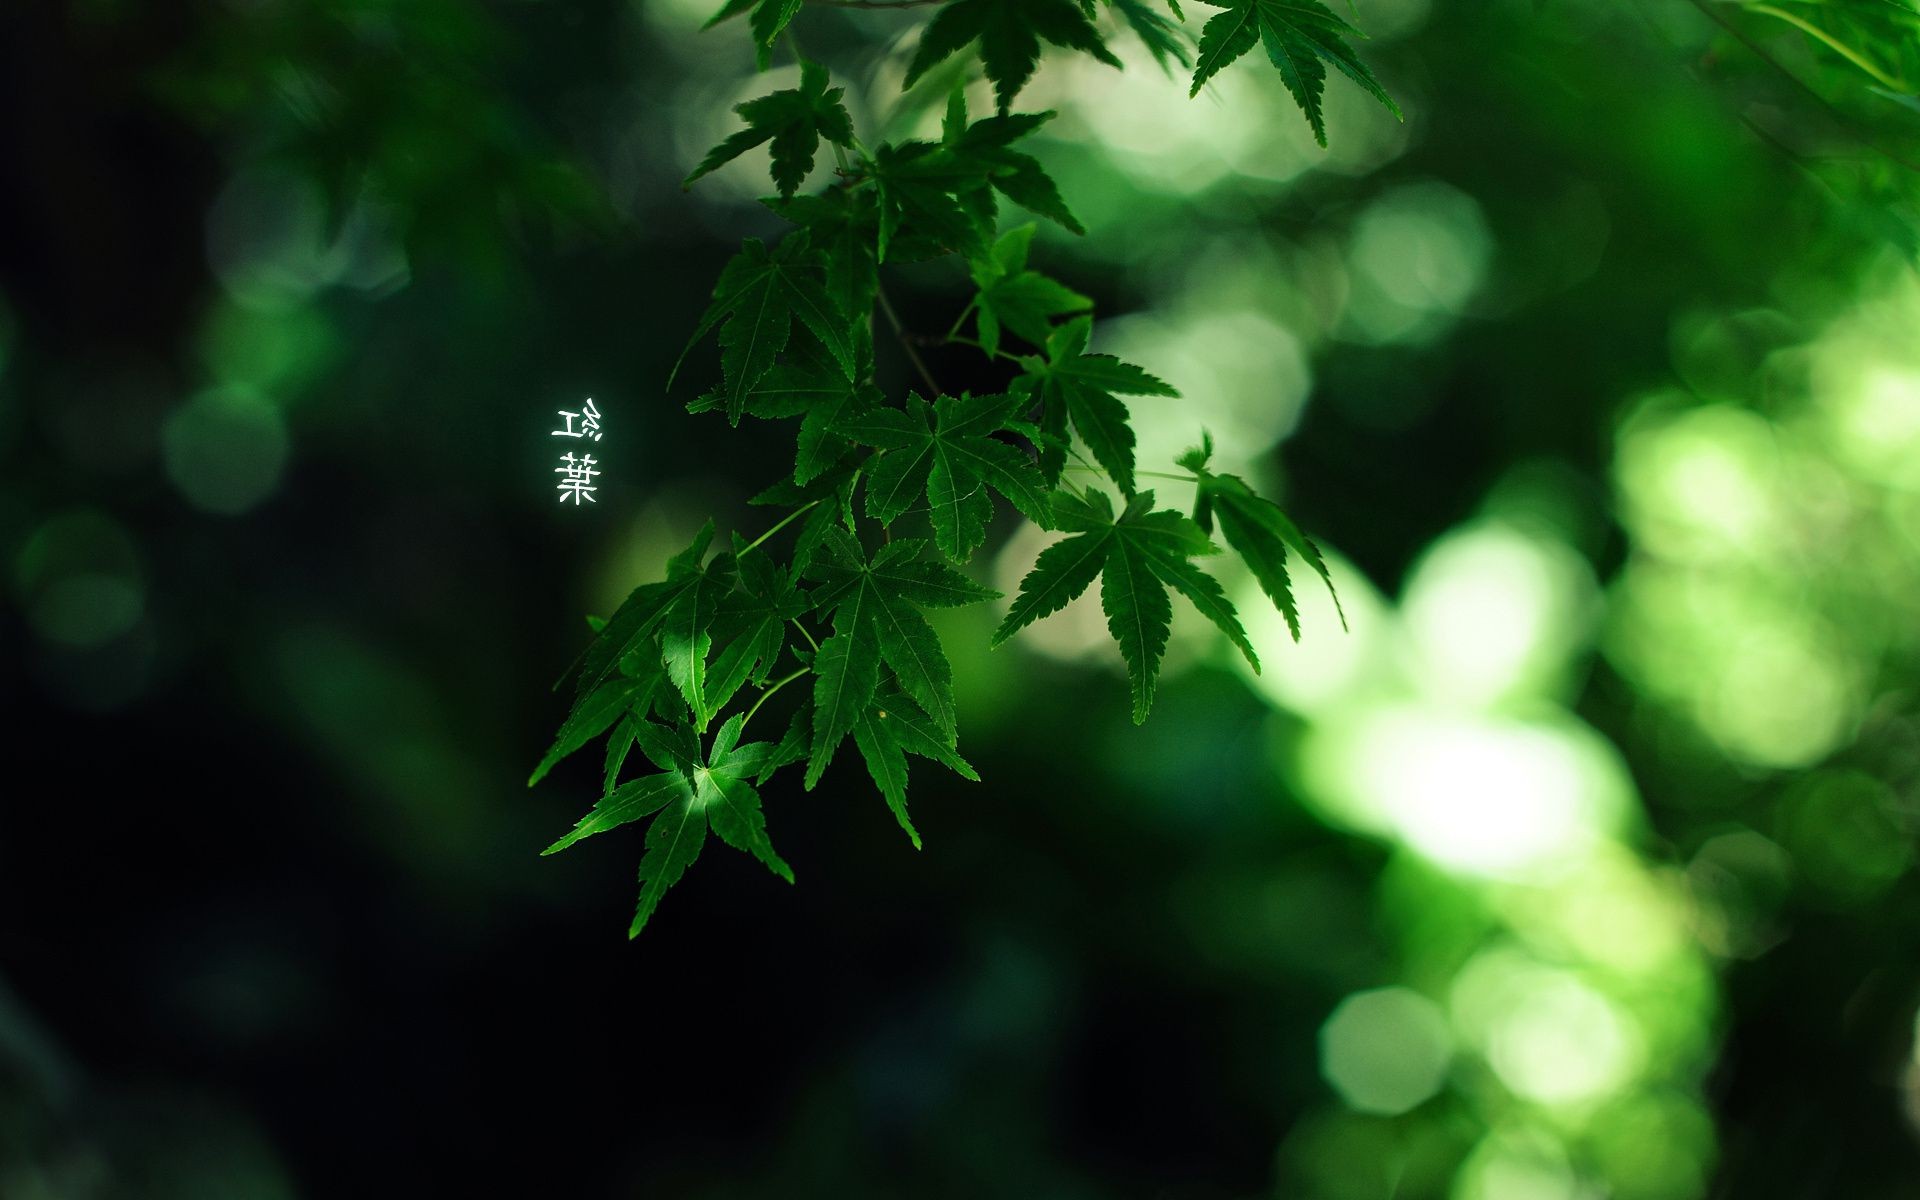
(1086, 464)
(778, 526)
(1836, 45)
(1863, 136)
(1142, 474)
(959, 340)
(771, 689)
(795, 621)
(954, 331)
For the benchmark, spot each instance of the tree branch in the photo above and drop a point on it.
(906, 340)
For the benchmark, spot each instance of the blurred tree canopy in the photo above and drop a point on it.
(1581, 865)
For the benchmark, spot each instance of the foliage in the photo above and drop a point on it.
(1299, 36)
(794, 327)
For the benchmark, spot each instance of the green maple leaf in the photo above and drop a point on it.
(791, 389)
(685, 802)
(769, 18)
(792, 746)
(1019, 299)
(938, 197)
(930, 201)
(628, 641)
(595, 713)
(1137, 557)
(619, 744)
(1299, 36)
(749, 629)
(813, 389)
(686, 632)
(819, 446)
(831, 495)
(876, 620)
(1259, 532)
(758, 296)
(892, 728)
(1160, 36)
(672, 629)
(671, 747)
(1086, 389)
(988, 144)
(810, 386)
(794, 121)
(1009, 33)
(843, 224)
(944, 451)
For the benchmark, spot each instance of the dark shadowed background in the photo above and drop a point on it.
(1580, 867)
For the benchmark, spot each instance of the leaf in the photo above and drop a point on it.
(617, 747)
(1020, 177)
(686, 634)
(830, 493)
(1259, 532)
(715, 793)
(731, 804)
(628, 634)
(876, 619)
(769, 18)
(716, 627)
(794, 120)
(1086, 389)
(626, 803)
(672, 747)
(844, 225)
(887, 763)
(920, 187)
(810, 386)
(1026, 304)
(936, 198)
(1022, 300)
(1009, 33)
(846, 673)
(1299, 36)
(595, 713)
(892, 729)
(1160, 36)
(1137, 557)
(750, 627)
(944, 451)
(791, 389)
(819, 446)
(928, 584)
(916, 734)
(1138, 616)
(757, 297)
(792, 746)
(663, 626)
(674, 841)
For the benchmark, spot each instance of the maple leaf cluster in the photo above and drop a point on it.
(920, 475)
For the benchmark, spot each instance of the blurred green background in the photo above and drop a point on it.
(1580, 867)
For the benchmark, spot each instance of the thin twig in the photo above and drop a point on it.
(906, 341)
